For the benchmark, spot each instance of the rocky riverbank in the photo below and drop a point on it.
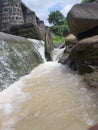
(83, 47)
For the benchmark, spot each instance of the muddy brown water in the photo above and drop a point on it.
(51, 97)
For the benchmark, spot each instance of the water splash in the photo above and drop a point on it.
(57, 53)
(39, 46)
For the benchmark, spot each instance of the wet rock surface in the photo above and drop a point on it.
(17, 58)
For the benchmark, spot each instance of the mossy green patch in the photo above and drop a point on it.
(58, 39)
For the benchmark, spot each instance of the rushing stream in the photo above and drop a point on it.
(51, 97)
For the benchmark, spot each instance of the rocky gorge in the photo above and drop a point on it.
(41, 93)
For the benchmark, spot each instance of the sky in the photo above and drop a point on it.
(43, 8)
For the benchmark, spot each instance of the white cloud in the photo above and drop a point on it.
(42, 7)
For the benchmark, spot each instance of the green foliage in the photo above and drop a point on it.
(58, 39)
(60, 26)
(55, 17)
(88, 1)
(61, 29)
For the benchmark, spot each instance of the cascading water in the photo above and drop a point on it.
(51, 97)
(56, 54)
(39, 46)
(16, 60)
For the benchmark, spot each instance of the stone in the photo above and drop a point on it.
(35, 32)
(28, 30)
(83, 20)
(71, 40)
(64, 58)
(84, 55)
(48, 45)
(17, 58)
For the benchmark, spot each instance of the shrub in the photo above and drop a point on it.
(58, 39)
(60, 30)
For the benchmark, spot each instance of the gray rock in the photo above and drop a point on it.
(48, 45)
(28, 30)
(17, 58)
(84, 55)
(34, 32)
(71, 40)
(83, 20)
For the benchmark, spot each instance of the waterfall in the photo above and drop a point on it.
(56, 54)
(50, 97)
(16, 60)
(39, 46)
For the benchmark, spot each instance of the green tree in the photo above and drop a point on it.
(88, 1)
(62, 29)
(55, 17)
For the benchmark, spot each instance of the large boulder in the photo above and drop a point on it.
(83, 20)
(48, 45)
(17, 58)
(28, 30)
(33, 31)
(84, 56)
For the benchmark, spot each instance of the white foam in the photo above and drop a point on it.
(56, 54)
(39, 45)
